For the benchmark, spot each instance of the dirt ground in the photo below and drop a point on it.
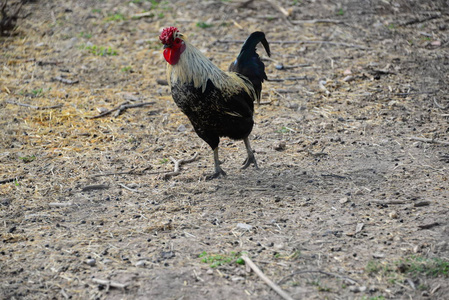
(351, 138)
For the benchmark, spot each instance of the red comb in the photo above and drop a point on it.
(166, 36)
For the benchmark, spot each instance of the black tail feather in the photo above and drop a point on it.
(248, 62)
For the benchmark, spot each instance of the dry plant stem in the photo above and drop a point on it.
(7, 180)
(270, 283)
(132, 172)
(284, 13)
(315, 21)
(350, 280)
(56, 204)
(64, 80)
(109, 283)
(303, 42)
(289, 78)
(439, 105)
(128, 188)
(424, 140)
(178, 163)
(33, 106)
(147, 14)
(94, 187)
(121, 108)
(399, 202)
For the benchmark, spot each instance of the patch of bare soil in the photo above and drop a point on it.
(350, 202)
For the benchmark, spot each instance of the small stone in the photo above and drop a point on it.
(343, 200)
(237, 278)
(181, 128)
(349, 78)
(279, 246)
(281, 146)
(107, 261)
(279, 67)
(436, 43)
(378, 255)
(91, 262)
(102, 109)
(141, 263)
(244, 226)
(347, 72)
(359, 227)
(421, 203)
(393, 214)
(210, 272)
(357, 289)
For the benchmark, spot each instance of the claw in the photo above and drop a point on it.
(248, 161)
(251, 159)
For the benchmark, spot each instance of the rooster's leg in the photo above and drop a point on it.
(250, 159)
(218, 170)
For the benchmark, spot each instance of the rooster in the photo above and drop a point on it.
(217, 103)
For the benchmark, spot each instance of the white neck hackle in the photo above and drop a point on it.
(194, 67)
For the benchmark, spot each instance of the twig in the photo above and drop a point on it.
(282, 67)
(390, 202)
(110, 283)
(429, 141)
(317, 21)
(7, 180)
(120, 109)
(178, 163)
(64, 294)
(417, 20)
(113, 173)
(350, 280)
(148, 14)
(94, 187)
(286, 91)
(411, 93)
(56, 204)
(302, 42)
(428, 226)
(64, 80)
(334, 175)
(270, 283)
(45, 63)
(289, 78)
(130, 172)
(439, 105)
(128, 188)
(284, 13)
(33, 106)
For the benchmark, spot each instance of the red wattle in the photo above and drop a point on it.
(168, 54)
(173, 54)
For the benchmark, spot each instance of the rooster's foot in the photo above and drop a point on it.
(218, 173)
(250, 160)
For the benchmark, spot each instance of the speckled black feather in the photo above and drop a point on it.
(214, 114)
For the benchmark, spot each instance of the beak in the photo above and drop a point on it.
(166, 46)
